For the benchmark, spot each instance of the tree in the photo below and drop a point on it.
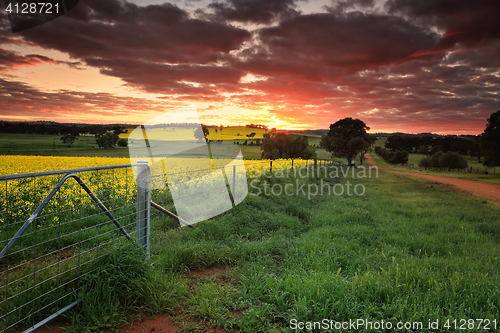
(69, 139)
(490, 141)
(280, 145)
(393, 157)
(122, 142)
(424, 150)
(347, 137)
(452, 160)
(70, 134)
(201, 133)
(107, 140)
(366, 148)
(443, 160)
(475, 148)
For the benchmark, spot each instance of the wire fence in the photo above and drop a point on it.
(53, 228)
(479, 170)
(55, 225)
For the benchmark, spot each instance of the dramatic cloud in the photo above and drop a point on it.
(19, 101)
(467, 22)
(256, 11)
(419, 66)
(9, 59)
(158, 33)
(352, 39)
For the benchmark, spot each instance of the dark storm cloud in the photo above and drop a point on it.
(463, 21)
(256, 11)
(18, 99)
(9, 59)
(113, 29)
(109, 34)
(351, 39)
(412, 63)
(183, 79)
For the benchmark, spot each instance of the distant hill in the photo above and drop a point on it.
(386, 135)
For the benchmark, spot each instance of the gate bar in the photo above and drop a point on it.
(163, 210)
(45, 201)
(54, 315)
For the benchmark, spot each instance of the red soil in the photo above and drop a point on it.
(163, 323)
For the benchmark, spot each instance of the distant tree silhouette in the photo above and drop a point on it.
(107, 140)
(69, 139)
(490, 141)
(347, 137)
(393, 157)
(475, 148)
(444, 160)
(280, 145)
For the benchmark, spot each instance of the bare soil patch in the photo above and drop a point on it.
(164, 323)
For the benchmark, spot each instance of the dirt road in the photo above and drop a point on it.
(491, 191)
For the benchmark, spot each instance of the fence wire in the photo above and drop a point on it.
(42, 273)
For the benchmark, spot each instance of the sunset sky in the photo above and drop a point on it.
(399, 65)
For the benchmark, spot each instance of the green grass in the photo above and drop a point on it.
(254, 152)
(51, 145)
(406, 250)
(44, 144)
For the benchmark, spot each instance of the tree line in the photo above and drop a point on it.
(106, 136)
(485, 145)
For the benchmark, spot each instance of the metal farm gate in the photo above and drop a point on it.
(54, 226)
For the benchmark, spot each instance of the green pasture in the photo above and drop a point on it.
(43, 144)
(405, 250)
(380, 141)
(313, 139)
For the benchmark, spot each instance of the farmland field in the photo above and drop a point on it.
(85, 145)
(493, 175)
(404, 250)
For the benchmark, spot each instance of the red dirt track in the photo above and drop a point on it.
(490, 191)
(163, 323)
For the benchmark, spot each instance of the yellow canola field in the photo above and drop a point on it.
(19, 198)
(16, 164)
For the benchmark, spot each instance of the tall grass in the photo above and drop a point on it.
(405, 251)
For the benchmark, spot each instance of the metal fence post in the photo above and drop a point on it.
(143, 204)
(234, 181)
